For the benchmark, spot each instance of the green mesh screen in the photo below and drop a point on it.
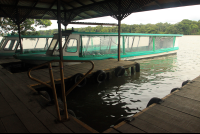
(99, 45)
(163, 42)
(138, 43)
(107, 45)
(34, 45)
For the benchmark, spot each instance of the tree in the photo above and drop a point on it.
(27, 27)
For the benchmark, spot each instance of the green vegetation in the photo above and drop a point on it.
(27, 27)
(186, 27)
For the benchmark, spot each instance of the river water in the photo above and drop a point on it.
(100, 106)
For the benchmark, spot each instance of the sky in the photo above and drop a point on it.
(169, 15)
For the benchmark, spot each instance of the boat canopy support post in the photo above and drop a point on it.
(20, 41)
(61, 59)
(119, 29)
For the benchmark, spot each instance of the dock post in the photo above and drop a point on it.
(137, 67)
(132, 70)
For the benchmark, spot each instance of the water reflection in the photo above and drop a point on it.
(101, 105)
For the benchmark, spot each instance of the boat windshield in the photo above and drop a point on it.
(10, 45)
(2, 42)
(42, 43)
(55, 43)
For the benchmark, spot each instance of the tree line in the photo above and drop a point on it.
(186, 27)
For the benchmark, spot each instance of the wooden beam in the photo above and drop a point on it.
(15, 6)
(93, 23)
(24, 18)
(49, 8)
(75, 8)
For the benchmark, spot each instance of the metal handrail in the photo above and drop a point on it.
(62, 82)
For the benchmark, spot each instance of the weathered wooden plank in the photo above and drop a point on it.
(5, 109)
(162, 122)
(183, 120)
(173, 117)
(44, 116)
(190, 91)
(40, 77)
(13, 124)
(110, 130)
(29, 120)
(127, 128)
(4, 71)
(188, 106)
(73, 124)
(147, 127)
(25, 78)
(1, 72)
(2, 128)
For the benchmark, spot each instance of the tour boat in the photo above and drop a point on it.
(100, 46)
(35, 44)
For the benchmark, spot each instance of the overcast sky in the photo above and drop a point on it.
(170, 15)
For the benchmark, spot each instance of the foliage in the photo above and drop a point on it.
(186, 27)
(27, 27)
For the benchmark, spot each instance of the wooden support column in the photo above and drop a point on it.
(119, 29)
(59, 30)
(18, 25)
(61, 60)
(20, 42)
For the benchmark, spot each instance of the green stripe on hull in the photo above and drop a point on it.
(130, 54)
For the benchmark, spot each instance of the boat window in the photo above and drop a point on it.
(14, 46)
(10, 44)
(53, 43)
(63, 42)
(72, 46)
(2, 42)
(138, 44)
(163, 42)
(99, 45)
(29, 43)
(42, 43)
(6, 46)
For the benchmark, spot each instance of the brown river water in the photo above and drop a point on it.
(100, 106)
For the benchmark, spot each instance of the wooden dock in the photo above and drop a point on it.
(178, 113)
(24, 111)
(21, 110)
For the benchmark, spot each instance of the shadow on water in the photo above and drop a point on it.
(101, 105)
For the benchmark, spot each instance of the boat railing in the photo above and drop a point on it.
(52, 86)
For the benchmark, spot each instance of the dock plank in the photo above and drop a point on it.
(190, 123)
(190, 91)
(13, 124)
(147, 127)
(73, 124)
(25, 78)
(188, 106)
(162, 123)
(44, 116)
(110, 130)
(22, 112)
(5, 109)
(2, 128)
(127, 128)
